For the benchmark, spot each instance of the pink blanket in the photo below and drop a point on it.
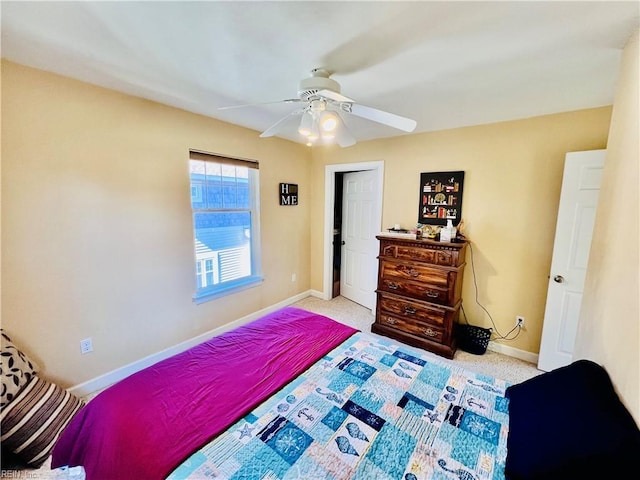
(146, 425)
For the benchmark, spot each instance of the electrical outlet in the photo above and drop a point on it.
(520, 321)
(294, 277)
(86, 346)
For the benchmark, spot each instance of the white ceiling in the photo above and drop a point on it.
(444, 64)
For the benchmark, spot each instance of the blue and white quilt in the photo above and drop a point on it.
(370, 409)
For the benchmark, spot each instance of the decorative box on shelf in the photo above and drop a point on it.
(419, 292)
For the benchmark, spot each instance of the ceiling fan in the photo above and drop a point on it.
(322, 105)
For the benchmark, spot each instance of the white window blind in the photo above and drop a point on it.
(226, 224)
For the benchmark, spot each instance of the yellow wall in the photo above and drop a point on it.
(609, 328)
(97, 237)
(513, 174)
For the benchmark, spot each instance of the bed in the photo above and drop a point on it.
(298, 395)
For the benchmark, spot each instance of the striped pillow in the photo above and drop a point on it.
(32, 422)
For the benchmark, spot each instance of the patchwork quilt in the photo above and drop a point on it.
(369, 409)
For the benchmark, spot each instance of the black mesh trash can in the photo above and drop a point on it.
(473, 339)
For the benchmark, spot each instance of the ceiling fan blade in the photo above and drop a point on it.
(288, 100)
(334, 96)
(390, 119)
(273, 129)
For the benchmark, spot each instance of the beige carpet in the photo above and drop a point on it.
(491, 363)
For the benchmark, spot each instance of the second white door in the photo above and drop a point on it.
(574, 229)
(358, 272)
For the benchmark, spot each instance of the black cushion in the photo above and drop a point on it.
(570, 424)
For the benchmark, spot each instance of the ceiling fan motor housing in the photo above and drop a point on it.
(309, 87)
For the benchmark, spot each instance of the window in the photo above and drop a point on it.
(224, 201)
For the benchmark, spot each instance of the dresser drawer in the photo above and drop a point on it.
(423, 251)
(446, 258)
(414, 328)
(436, 277)
(429, 293)
(415, 311)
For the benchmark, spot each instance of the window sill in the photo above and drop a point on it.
(234, 287)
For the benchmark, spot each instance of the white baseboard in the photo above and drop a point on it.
(109, 378)
(318, 294)
(513, 352)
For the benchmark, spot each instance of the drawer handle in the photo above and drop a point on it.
(429, 333)
(394, 286)
(432, 294)
(410, 271)
(410, 310)
(391, 321)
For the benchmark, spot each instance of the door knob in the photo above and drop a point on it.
(558, 279)
(342, 242)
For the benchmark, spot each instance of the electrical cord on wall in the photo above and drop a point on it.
(498, 335)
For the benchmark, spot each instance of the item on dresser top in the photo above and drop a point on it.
(431, 231)
(452, 230)
(400, 233)
(445, 234)
(419, 292)
(448, 233)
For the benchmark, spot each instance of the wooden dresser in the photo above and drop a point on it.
(419, 292)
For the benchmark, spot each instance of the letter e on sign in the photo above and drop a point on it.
(288, 194)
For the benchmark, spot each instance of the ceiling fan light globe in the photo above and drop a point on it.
(329, 125)
(306, 125)
(329, 122)
(315, 129)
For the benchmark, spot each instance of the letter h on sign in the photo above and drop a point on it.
(288, 194)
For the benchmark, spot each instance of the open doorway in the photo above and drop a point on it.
(337, 231)
(337, 235)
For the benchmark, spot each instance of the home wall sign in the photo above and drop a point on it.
(288, 194)
(440, 198)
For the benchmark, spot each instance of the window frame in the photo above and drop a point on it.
(255, 278)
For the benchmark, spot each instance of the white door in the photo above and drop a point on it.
(574, 229)
(359, 249)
